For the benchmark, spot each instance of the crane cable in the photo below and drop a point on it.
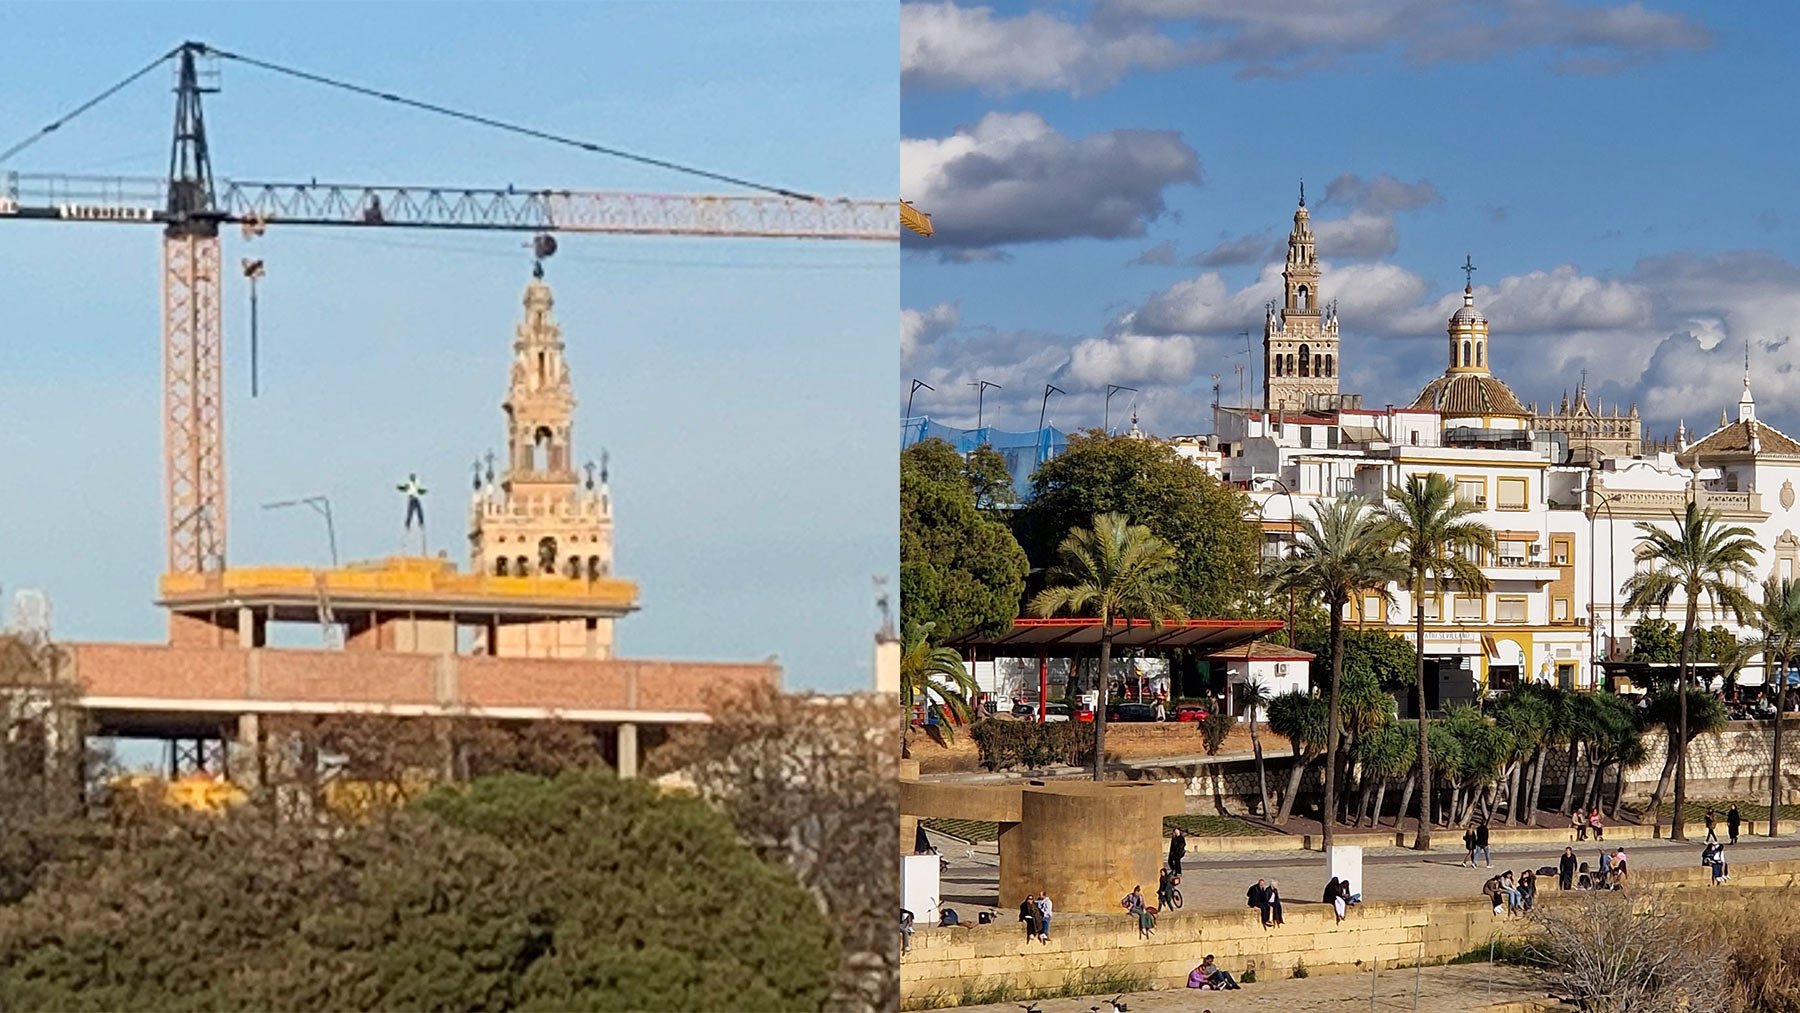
(85, 106)
(509, 127)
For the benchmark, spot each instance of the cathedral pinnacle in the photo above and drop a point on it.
(1303, 193)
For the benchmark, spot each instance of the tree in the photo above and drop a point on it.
(1303, 719)
(1253, 697)
(1778, 622)
(1663, 709)
(1386, 753)
(1653, 641)
(989, 478)
(1378, 654)
(812, 783)
(936, 679)
(1202, 518)
(1700, 558)
(960, 571)
(1113, 570)
(1340, 553)
(1437, 538)
(582, 892)
(1526, 715)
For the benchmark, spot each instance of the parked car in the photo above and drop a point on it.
(1191, 712)
(1056, 712)
(1131, 712)
(1025, 709)
(1086, 713)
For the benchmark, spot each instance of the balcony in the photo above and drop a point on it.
(1518, 570)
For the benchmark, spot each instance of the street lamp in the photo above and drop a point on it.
(1612, 555)
(321, 505)
(1106, 416)
(1043, 447)
(916, 384)
(1293, 519)
(981, 387)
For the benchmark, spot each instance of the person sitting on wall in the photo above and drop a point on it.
(1146, 922)
(1133, 902)
(1495, 893)
(1032, 916)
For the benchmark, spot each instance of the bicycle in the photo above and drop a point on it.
(1175, 892)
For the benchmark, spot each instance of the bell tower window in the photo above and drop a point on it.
(1301, 295)
(1465, 353)
(1330, 366)
(1305, 357)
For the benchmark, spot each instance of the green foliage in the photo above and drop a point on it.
(1302, 719)
(1203, 519)
(1389, 749)
(1388, 658)
(1248, 977)
(935, 678)
(579, 893)
(1705, 712)
(1655, 641)
(1215, 729)
(1027, 745)
(985, 471)
(1300, 967)
(960, 571)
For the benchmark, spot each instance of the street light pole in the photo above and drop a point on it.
(1049, 389)
(916, 384)
(1106, 416)
(1292, 521)
(981, 387)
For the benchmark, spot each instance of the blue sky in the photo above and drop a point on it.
(1108, 209)
(731, 381)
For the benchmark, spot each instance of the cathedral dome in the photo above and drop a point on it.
(1467, 315)
(1470, 394)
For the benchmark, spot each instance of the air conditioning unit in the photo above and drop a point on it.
(1534, 550)
(1281, 668)
(1481, 501)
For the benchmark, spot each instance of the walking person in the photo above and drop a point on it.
(1732, 819)
(1177, 850)
(906, 930)
(1565, 869)
(1481, 843)
(1469, 845)
(1165, 888)
(1712, 827)
(1044, 908)
(1618, 865)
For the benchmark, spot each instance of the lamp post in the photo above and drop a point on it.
(1292, 520)
(1106, 416)
(1049, 389)
(321, 505)
(916, 384)
(981, 387)
(1612, 536)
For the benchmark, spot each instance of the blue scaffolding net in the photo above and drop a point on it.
(1023, 452)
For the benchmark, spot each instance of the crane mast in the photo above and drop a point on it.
(193, 380)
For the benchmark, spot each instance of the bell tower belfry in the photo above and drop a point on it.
(540, 521)
(1300, 337)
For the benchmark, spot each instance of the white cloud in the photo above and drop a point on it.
(944, 45)
(1133, 359)
(919, 328)
(1012, 178)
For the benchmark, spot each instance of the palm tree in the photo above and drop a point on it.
(1252, 698)
(1113, 570)
(1779, 620)
(1301, 718)
(1340, 552)
(935, 678)
(1438, 540)
(1701, 557)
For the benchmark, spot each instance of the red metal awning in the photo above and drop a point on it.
(1028, 637)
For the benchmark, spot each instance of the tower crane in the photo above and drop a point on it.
(190, 206)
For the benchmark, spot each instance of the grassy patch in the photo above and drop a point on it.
(972, 831)
(1501, 950)
(1213, 826)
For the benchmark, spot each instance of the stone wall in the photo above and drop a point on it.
(946, 964)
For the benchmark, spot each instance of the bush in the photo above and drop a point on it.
(1300, 968)
(583, 892)
(1013, 745)
(1215, 729)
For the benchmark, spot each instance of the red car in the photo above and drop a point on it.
(1191, 712)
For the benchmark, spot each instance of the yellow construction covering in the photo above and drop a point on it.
(914, 219)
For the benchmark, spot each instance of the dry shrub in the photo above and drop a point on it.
(1723, 951)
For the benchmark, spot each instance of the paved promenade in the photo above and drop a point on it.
(1464, 988)
(1218, 882)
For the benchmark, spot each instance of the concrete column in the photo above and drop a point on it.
(628, 750)
(593, 637)
(244, 753)
(246, 627)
